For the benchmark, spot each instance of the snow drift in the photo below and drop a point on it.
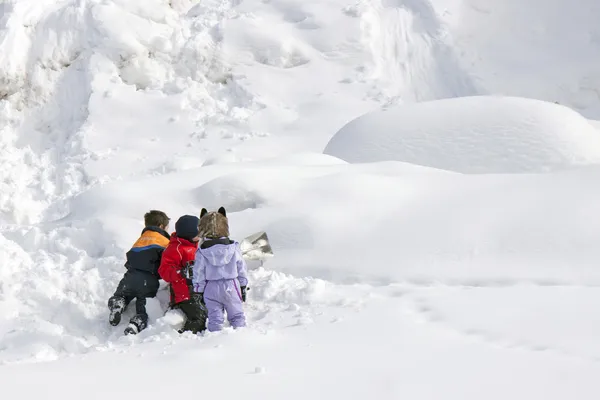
(480, 134)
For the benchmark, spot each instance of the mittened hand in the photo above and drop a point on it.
(243, 293)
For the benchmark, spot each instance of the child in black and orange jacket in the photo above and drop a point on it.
(142, 278)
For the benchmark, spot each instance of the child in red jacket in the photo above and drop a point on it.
(175, 268)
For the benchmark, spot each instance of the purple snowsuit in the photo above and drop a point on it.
(217, 269)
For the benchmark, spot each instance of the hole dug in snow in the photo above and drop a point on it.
(235, 193)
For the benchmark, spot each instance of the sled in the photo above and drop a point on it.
(256, 247)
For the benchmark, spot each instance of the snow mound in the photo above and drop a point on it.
(479, 134)
(438, 227)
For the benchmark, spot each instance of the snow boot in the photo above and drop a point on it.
(131, 329)
(195, 313)
(116, 305)
(137, 323)
(194, 326)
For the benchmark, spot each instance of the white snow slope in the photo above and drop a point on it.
(396, 275)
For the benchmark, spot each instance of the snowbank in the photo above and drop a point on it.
(478, 134)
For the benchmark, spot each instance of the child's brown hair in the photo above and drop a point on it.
(156, 218)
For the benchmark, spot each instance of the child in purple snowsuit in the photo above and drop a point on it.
(218, 268)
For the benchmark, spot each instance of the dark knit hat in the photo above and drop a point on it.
(186, 227)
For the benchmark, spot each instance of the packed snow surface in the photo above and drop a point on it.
(392, 277)
(479, 134)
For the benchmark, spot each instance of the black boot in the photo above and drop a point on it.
(196, 316)
(194, 326)
(116, 305)
(137, 323)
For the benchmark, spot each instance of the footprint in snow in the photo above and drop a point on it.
(431, 316)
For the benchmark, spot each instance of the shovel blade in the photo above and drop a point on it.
(256, 247)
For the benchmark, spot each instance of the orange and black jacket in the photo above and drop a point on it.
(146, 253)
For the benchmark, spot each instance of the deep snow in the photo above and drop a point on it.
(390, 279)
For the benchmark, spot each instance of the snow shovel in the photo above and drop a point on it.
(256, 247)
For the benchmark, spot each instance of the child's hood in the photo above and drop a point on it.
(219, 254)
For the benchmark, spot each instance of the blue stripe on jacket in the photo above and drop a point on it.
(152, 246)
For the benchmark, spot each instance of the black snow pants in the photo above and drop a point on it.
(136, 285)
(194, 309)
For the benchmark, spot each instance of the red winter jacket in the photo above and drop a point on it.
(179, 254)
